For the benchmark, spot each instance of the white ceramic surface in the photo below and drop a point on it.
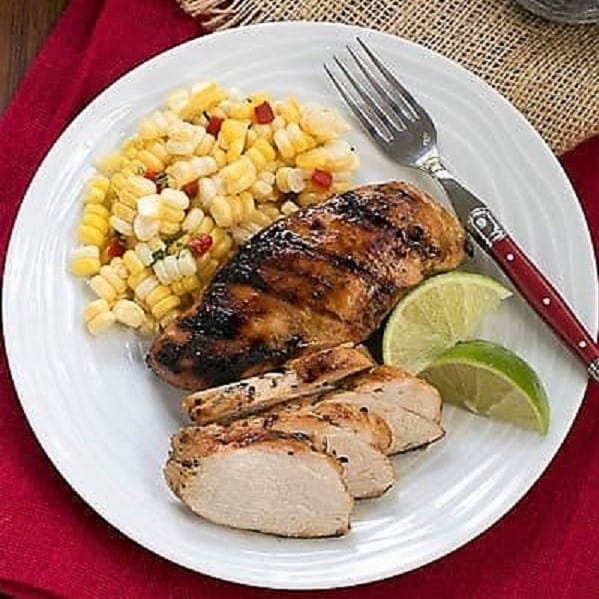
(105, 421)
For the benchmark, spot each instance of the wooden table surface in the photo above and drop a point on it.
(24, 25)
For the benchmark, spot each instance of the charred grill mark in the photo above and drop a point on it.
(168, 356)
(218, 317)
(362, 209)
(219, 368)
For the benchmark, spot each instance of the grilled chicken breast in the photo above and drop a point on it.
(303, 376)
(321, 277)
(259, 479)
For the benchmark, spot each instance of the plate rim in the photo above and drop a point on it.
(73, 480)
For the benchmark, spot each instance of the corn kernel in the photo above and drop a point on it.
(221, 248)
(90, 235)
(166, 320)
(163, 307)
(265, 149)
(159, 293)
(121, 226)
(206, 145)
(235, 150)
(289, 207)
(102, 288)
(95, 307)
(208, 268)
(85, 261)
(233, 129)
(284, 144)
(186, 264)
(101, 323)
(290, 180)
(95, 221)
(220, 157)
(278, 123)
(119, 285)
(133, 263)
(203, 97)
(174, 199)
(241, 110)
(140, 186)
(128, 198)
(123, 212)
(146, 286)
(206, 226)
(312, 159)
(109, 163)
(177, 100)
(221, 211)
(129, 313)
(145, 228)
(93, 195)
(193, 219)
(150, 160)
(169, 228)
(148, 207)
(289, 111)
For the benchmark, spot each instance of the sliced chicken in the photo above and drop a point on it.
(409, 430)
(366, 471)
(390, 382)
(308, 375)
(259, 479)
(370, 427)
(325, 275)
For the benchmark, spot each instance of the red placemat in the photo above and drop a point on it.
(53, 545)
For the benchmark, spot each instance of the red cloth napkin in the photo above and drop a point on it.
(53, 545)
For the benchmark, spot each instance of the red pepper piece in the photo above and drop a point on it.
(191, 188)
(200, 244)
(214, 125)
(150, 174)
(115, 249)
(323, 179)
(264, 113)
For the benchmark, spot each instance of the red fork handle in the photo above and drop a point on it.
(534, 287)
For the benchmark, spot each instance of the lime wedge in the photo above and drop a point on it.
(436, 315)
(489, 379)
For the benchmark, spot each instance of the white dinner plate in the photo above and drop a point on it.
(105, 420)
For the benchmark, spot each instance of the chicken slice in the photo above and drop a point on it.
(370, 427)
(366, 471)
(409, 430)
(308, 375)
(258, 479)
(392, 382)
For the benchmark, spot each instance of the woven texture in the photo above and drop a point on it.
(549, 71)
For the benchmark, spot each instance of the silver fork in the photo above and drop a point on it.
(406, 133)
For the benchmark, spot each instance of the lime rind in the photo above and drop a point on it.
(436, 315)
(518, 397)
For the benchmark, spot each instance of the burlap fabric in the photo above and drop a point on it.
(550, 71)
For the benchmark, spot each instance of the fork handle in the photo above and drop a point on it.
(532, 284)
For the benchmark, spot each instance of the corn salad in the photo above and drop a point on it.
(197, 180)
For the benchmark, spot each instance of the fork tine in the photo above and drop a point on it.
(406, 96)
(384, 93)
(356, 109)
(366, 96)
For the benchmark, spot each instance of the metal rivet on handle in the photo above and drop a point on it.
(546, 301)
(582, 344)
(510, 257)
